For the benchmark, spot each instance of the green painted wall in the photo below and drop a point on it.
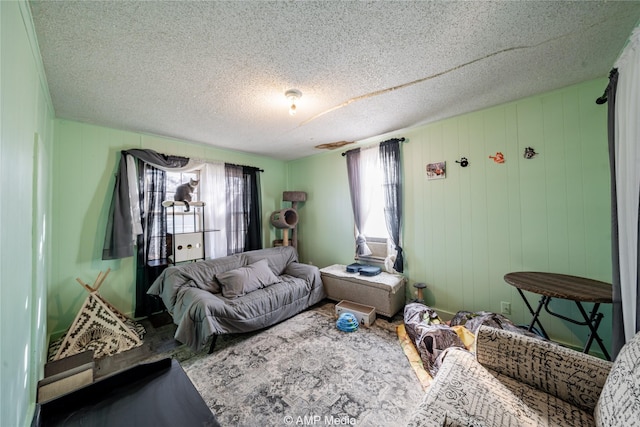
(26, 136)
(85, 163)
(463, 233)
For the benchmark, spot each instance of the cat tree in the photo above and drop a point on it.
(287, 219)
(185, 242)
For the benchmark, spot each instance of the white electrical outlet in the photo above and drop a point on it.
(505, 307)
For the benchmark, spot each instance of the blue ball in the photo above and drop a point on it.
(347, 322)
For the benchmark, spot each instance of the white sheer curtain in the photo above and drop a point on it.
(372, 193)
(212, 192)
(367, 198)
(627, 158)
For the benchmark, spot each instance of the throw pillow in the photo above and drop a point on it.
(243, 280)
(618, 402)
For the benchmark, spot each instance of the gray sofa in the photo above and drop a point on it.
(238, 293)
(516, 380)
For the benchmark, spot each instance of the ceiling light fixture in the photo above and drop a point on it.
(293, 95)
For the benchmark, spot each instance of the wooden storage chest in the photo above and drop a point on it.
(385, 292)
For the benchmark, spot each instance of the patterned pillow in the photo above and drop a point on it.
(619, 403)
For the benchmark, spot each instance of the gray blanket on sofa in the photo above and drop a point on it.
(195, 296)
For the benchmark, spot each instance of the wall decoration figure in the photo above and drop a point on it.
(529, 153)
(436, 170)
(498, 158)
(463, 162)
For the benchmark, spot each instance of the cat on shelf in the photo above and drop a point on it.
(184, 191)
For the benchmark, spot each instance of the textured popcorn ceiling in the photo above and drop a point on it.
(216, 72)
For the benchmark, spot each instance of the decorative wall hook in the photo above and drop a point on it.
(498, 158)
(529, 153)
(463, 162)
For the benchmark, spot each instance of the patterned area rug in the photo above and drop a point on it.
(305, 371)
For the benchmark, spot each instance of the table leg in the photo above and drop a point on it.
(593, 322)
(535, 313)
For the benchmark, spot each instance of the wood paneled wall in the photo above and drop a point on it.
(464, 232)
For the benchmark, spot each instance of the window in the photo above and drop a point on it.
(230, 201)
(174, 179)
(243, 223)
(375, 225)
(375, 184)
(137, 223)
(237, 212)
(185, 222)
(161, 186)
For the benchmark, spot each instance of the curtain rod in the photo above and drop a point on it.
(403, 139)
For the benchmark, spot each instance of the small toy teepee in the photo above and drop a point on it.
(99, 326)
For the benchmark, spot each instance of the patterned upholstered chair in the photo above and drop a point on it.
(515, 380)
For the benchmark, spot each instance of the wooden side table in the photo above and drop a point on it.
(385, 291)
(577, 289)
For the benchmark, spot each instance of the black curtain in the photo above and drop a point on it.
(618, 336)
(154, 221)
(151, 244)
(236, 220)
(253, 238)
(391, 166)
(243, 220)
